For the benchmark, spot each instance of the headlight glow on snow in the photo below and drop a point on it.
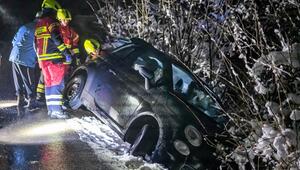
(8, 103)
(36, 132)
(49, 128)
(193, 135)
(181, 147)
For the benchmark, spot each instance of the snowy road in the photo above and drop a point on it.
(30, 140)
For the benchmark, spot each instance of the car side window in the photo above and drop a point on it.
(152, 64)
(192, 92)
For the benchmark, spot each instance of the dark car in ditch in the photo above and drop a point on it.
(153, 102)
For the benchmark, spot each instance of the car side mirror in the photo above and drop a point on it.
(147, 74)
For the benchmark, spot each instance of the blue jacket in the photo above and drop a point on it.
(23, 52)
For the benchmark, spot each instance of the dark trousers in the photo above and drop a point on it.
(23, 80)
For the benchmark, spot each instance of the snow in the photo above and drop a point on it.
(273, 108)
(279, 144)
(107, 145)
(294, 98)
(295, 115)
(291, 137)
(259, 88)
(275, 143)
(282, 41)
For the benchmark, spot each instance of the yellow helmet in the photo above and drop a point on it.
(51, 4)
(63, 14)
(90, 45)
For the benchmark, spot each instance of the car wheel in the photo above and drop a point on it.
(142, 134)
(137, 148)
(74, 90)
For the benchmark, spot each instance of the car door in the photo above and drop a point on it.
(149, 59)
(113, 94)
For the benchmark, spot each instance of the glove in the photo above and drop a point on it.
(68, 60)
(78, 61)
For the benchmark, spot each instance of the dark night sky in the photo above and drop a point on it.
(14, 13)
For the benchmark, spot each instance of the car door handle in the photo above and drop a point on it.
(114, 73)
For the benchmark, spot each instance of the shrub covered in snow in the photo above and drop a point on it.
(246, 50)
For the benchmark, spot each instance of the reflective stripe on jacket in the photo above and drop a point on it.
(70, 38)
(49, 45)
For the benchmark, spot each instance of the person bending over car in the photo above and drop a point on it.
(68, 34)
(93, 49)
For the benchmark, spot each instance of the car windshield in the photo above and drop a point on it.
(193, 93)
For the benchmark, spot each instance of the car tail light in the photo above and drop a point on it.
(193, 135)
(181, 147)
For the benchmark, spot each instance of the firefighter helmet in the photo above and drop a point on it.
(51, 4)
(90, 45)
(63, 14)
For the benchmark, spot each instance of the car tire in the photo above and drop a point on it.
(152, 134)
(160, 153)
(142, 134)
(74, 90)
(137, 147)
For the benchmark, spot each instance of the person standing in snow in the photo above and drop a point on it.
(52, 56)
(24, 59)
(70, 39)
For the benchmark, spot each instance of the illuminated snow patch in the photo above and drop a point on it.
(34, 132)
(44, 129)
(8, 103)
(107, 145)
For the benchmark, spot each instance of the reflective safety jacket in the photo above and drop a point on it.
(49, 45)
(70, 38)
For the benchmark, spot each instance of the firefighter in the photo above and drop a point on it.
(24, 59)
(93, 49)
(69, 36)
(52, 54)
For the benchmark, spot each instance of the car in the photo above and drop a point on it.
(153, 102)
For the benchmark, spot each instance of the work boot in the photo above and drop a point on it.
(21, 100)
(59, 115)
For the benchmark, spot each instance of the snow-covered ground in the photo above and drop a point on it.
(36, 128)
(108, 145)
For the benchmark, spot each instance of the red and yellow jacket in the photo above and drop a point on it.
(49, 45)
(70, 38)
